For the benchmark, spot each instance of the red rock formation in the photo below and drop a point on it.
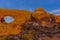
(31, 25)
(20, 16)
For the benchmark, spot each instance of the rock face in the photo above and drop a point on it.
(20, 16)
(37, 25)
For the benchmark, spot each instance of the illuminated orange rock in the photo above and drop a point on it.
(43, 18)
(57, 18)
(40, 13)
(20, 16)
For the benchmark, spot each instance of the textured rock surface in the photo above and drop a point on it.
(37, 25)
(20, 16)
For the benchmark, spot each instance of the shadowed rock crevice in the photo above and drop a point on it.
(35, 30)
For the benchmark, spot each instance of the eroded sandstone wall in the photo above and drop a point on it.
(30, 25)
(20, 16)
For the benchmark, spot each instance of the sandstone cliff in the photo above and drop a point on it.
(34, 24)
